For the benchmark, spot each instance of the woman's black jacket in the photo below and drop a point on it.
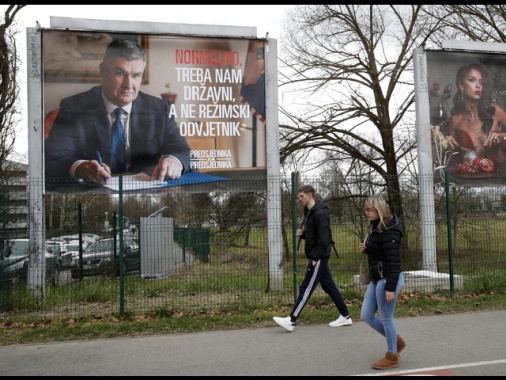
(383, 252)
(317, 231)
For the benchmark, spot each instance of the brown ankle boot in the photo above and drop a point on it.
(400, 344)
(389, 361)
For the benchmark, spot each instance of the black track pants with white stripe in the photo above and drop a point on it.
(318, 274)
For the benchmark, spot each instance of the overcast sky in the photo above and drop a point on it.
(266, 18)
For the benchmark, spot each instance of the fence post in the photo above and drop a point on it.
(121, 248)
(294, 233)
(449, 228)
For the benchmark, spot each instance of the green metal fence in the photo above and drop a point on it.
(196, 239)
(220, 257)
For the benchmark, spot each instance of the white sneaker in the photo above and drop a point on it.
(341, 321)
(284, 322)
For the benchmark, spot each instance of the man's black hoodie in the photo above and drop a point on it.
(317, 232)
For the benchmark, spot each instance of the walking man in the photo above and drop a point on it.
(318, 245)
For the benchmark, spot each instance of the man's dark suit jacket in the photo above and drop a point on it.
(81, 129)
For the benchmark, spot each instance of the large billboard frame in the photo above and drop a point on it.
(454, 79)
(215, 90)
(36, 127)
(435, 82)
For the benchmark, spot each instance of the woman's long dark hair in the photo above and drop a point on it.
(485, 110)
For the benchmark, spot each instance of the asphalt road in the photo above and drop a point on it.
(459, 344)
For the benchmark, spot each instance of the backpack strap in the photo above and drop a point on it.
(335, 250)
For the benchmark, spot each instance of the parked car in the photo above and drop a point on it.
(14, 260)
(90, 238)
(60, 251)
(15, 251)
(65, 238)
(72, 239)
(73, 248)
(100, 258)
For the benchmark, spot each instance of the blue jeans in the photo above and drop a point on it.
(375, 301)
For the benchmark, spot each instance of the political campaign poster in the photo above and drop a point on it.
(196, 102)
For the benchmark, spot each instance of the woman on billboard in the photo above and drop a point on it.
(476, 127)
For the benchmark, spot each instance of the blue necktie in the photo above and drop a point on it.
(118, 146)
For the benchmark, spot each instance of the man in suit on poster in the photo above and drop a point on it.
(80, 143)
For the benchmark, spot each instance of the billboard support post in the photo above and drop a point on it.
(273, 169)
(425, 167)
(37, 261)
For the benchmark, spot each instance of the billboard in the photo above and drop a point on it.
(198, 103)
(467, 103)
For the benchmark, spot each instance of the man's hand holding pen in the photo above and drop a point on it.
(104, 170)
(104, 173)
(94, 171)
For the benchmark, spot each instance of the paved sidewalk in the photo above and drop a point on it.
(457, 344)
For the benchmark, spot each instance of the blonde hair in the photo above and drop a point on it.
(378, 203)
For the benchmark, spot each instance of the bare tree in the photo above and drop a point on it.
(354, 64)
(482, 22)
(9, 86)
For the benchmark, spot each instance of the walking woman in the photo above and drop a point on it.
(382, 247)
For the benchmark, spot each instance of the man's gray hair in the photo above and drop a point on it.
(124, 48)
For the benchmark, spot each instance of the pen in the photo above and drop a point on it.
(99, 159)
